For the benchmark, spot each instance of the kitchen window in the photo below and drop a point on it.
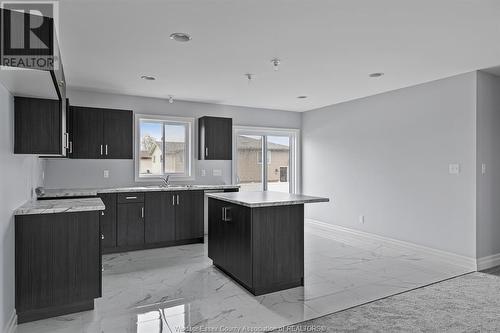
(164, 146)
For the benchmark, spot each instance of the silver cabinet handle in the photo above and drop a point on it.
(206, 151)
(224, 214)
(71, 147)
(66, 140)
(102, 236)
(102, 213)
(102, 268)
(106, 150)
(142, 212)
(130, 198)
(177, 199)
(173, 200)
(101, 150)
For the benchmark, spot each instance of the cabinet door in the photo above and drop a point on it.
(57, 260)
(216, 232)
(130, 224)
(238, 242)
(189, 215)
(216, 138)
(117, 134)
(159, 221)
(37, 126)
(108, 221)
(69, 129)
(87, 132)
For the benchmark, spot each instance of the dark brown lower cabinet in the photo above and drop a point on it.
(160, 217)
(58, 264)
(108, 222)
(130, 222)
(144, 220)
(261, 248)
(189, 215)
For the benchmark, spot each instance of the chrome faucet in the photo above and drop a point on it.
(166, 180)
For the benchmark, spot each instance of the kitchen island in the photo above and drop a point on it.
(257, 238)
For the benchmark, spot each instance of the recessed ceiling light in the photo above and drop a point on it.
(379, 74)
(148, 77)
(302, 97)
(276, 63)
(180, 37)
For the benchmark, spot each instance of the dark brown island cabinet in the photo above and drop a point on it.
(57, 263)
(215, 136)
(257, 238)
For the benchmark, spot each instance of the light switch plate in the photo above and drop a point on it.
(106, 173)
(454, 169)
(203, 172)
(216, 172)
(483, 168)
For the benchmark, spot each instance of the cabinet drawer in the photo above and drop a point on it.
(130, 197)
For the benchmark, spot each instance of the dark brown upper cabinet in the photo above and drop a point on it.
(99, 133)
(38, 126)
(40, 95)
(215, 136)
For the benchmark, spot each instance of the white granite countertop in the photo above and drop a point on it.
(92, 192)
(265, 199)
(60, 206)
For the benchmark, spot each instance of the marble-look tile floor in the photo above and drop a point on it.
(176, 289)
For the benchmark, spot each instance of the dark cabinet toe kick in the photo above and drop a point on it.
(261, 290)
(54, 311)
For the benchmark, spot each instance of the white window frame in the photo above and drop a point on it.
(292, 133)
(190, 158)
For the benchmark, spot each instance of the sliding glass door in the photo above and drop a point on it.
(278, 163)
(249, 152)
(265, 159)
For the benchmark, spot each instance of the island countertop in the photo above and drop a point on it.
(60, 206)
(266, 199)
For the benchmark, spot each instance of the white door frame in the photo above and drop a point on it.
(292, 133)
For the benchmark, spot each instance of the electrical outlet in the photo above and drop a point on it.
(203, 172)
(362, 219)
(454, 169)
(217, 172)
(106, 173)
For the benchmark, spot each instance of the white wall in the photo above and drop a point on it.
(488, 152)
(386, 157)
(61, 173)
(18, 176)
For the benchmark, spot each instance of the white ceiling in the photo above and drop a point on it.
(327, 48)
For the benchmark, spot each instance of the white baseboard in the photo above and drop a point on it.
(452, 258)
(488, 262)
(10, 327)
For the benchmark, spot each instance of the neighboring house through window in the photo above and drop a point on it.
(164, 147)
(279, 149)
